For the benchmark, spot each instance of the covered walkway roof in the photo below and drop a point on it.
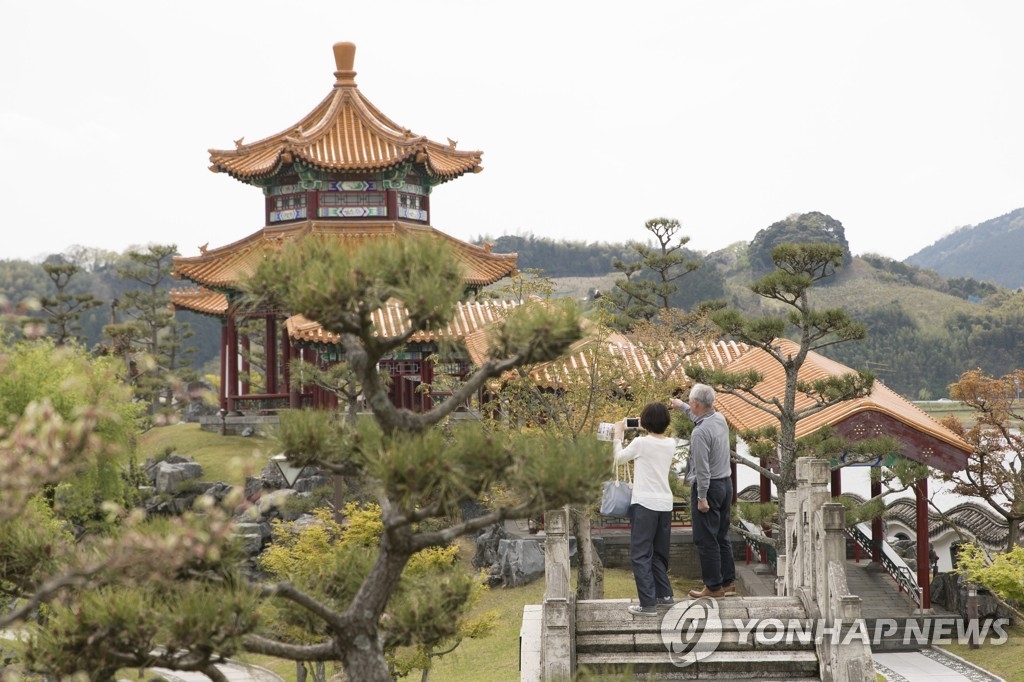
(882, 413)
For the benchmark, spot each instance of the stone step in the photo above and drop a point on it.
(611, 616)
(728, 640)
(733, 619)
(740, 665)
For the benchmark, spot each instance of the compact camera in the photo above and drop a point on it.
(605, 429)
(632, 422)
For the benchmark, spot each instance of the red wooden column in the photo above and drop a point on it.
(766, 484)
(244, 341)
(923, 542)
(427, 377)
(735, 482)
(223, 365)
(876, 523)
(231, 388)
(837, 482)
(289, 353)
(270, 350)
(765, 496)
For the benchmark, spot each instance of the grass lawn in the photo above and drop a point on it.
(496, 658)
(1003, 659)
(937, 409)
(228, 459)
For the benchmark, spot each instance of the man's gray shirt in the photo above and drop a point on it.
(709, 450)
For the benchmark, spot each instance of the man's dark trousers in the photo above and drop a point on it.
(711, 533)
(649, 540)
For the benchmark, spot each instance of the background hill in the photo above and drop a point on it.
(992, 251)
(924, 329)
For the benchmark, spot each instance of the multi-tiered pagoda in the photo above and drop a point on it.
(346, 172)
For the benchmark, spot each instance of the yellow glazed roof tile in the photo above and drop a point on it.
(392, 320)
(345, 132)
(223, 268)
(882, 399)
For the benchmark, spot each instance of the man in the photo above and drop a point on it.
(709, 474)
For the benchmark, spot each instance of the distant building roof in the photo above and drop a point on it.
(979, 521)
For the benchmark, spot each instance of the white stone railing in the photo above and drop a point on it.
(813, 568)
(558, 619)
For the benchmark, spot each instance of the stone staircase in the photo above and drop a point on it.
(611, 641)
(604, 638)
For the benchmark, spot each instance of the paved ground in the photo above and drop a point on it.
(882, 599)
(932, 665)
(235, 672)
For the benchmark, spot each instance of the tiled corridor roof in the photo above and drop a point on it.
(882, 399)
(632, 359)
(392, 320)
(979, 521)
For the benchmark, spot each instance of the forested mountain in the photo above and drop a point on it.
(559, 258)
(992, 251)
(924, 329)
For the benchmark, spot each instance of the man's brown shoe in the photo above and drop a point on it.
(705, 592)
(729, 589)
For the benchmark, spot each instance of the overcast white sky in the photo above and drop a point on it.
(903, 120)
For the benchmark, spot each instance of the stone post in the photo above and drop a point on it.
(834, 522)
(558, 626)
(816, 544)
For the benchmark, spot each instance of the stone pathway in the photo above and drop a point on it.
(235, 672)
(933, 665)
(882, 599)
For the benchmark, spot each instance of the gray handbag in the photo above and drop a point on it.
(617, 496)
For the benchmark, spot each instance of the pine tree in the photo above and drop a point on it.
(798, 267)
(150, 337)
(64, 308)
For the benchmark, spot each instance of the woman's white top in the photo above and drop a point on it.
(653, 459)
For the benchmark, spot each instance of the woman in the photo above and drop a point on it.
(650, 511)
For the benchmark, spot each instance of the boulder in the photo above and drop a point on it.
(250, 535)
(487, 546)
(169, 477)
(520, 561)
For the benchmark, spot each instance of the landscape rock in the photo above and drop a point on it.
(250, 535)
(168, 477)
(520, 562)
(486, 554)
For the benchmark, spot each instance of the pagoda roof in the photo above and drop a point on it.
(390, 320)
(200, 300)
(345, 132)
(222, 269)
